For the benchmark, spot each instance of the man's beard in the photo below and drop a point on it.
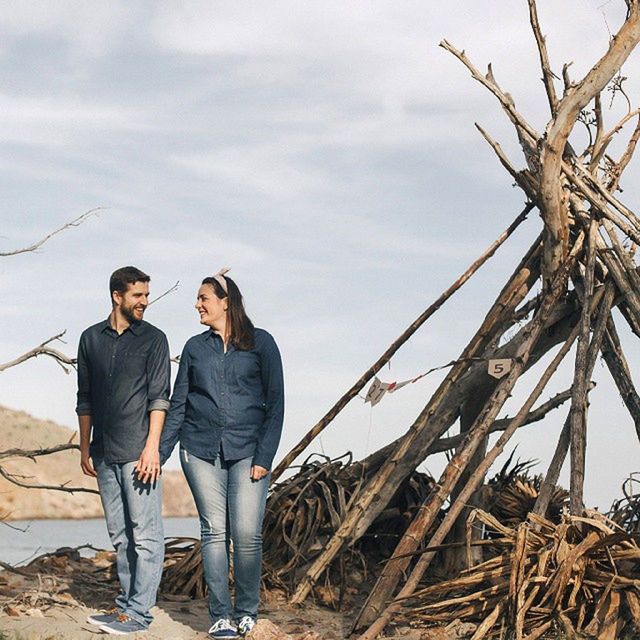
(128, 313)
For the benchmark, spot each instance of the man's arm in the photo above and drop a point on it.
(159, 384)
(83, 408)
(84, 421)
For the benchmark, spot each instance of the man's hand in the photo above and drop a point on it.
(258, 472)
(87, 465)
(148, 465)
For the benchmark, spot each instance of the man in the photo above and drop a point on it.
(123, 395)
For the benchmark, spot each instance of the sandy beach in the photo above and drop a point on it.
(53, 597)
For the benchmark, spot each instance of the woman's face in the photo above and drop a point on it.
(212, 309)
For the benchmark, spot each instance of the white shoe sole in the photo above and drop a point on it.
(113, 632)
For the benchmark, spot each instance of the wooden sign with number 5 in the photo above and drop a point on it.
(500, 367)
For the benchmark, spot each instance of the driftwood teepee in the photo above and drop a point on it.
(584, 258)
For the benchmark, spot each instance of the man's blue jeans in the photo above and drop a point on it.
(133, 511)
(231, 507)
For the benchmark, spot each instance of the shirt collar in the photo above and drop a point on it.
(216, 338)
(134, 327)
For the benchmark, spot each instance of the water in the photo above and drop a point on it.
(21, 540)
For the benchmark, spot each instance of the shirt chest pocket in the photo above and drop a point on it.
(132, 364)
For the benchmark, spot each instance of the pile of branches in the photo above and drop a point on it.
(183, 573)
(306, 510)
(578, 577)
(513, 493)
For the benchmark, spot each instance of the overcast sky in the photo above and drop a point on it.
(324, 150)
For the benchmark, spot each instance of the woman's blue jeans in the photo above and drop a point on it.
(231, 507)
(133, 511)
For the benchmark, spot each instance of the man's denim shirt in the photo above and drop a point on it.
(121, 378)
(232, 401)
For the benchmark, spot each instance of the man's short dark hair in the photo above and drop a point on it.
(124, 276)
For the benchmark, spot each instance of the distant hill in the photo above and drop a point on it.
(20, 430)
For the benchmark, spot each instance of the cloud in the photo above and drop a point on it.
(60, 122)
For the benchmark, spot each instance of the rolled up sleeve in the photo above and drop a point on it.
(83, 403)
(159, 375)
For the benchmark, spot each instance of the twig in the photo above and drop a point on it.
(21, 572)
(13, 478)
(36, 245)
(166, 293)
(547, 74)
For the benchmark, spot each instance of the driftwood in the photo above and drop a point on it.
(576, 195)
(577, 576)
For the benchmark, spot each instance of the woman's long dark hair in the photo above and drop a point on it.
(239, 326)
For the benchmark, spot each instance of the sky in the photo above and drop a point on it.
(326, 152)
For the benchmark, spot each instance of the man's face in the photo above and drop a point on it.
(134, 301)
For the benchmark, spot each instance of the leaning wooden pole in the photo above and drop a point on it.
(388, 354)
(381, 488)
(619, 368)
(578, 411)
(562, 447)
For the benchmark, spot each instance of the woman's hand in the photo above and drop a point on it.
(258, 472)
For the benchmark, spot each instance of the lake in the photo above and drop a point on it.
(21, 540)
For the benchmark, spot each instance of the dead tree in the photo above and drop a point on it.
(585, 260)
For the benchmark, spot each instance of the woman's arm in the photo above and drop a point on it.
(175, 417)
(273, 387)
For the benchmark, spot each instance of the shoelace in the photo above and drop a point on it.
(123, 617)
(222, 625)
(246, 623)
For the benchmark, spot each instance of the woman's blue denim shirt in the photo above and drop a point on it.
(232, 400)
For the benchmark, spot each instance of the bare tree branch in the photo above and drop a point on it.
(600, 145)
(36, 245)
(33, 453)
(43, 350)
(16, 479)
(547, 74)
(621, 165)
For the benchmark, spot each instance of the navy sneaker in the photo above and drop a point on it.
(123, 625)
(223, 629)
(245, 625)
(111, 615)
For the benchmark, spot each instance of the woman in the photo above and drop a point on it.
(227, 410)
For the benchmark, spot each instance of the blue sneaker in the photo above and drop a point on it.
(122, 625)
(245, 625)
(223, 629)
(98, 619)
